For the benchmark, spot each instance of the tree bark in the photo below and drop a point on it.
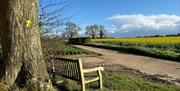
(22, 63)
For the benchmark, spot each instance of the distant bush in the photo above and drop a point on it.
(80, 40)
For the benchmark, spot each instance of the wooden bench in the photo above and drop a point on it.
(72, 69)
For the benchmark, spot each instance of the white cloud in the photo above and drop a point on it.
(140, 25)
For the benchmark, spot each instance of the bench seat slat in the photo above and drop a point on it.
(88, 81)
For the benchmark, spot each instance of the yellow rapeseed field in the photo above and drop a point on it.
(150, 40)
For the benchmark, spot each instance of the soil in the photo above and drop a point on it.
(151, 68)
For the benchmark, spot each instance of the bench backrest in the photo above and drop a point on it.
(69, 68)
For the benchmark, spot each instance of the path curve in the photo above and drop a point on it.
(144, 64)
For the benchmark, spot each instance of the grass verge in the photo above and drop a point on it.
(163, 53)
(60, 48)
(115, 81)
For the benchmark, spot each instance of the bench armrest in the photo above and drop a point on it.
(93, 69)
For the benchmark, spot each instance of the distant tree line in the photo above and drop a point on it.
(93, 31)
(168, 35)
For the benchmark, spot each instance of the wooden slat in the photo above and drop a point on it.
(93, 69)
(65, 68)
(73, 73)
(77, 71)
(71, 69)
(66, 59)
(88, 81)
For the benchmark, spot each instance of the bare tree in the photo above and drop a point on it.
(102, 31)
(71, 30)
(22, 66)
(52, 15)
(92, 30)
(95, 30)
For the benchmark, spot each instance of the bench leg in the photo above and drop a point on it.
(82, 86)
(100, 79)
(100, 84)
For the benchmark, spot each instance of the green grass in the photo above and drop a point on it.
(60, 48)
(74, 50)
(115, 81)
(164, 51)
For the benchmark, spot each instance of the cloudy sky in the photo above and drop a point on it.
(129, 18)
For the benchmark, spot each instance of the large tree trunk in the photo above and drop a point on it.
(23, 62)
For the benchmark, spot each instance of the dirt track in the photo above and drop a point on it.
(144, 64)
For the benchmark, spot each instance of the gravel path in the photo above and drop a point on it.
(149, 65)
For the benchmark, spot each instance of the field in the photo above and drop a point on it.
(150, 40)
(160, 47)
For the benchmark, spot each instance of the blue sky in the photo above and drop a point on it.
(96, 11)
(111, 13)
(126, 18)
